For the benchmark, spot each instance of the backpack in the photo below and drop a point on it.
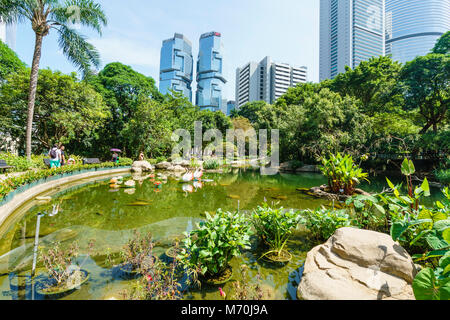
(53, 153)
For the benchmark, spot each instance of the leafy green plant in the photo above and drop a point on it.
(211, 164)
(367, 212)
(443, 175)
(209, 249)
(274, 226)
(342, 173)
(323, 223)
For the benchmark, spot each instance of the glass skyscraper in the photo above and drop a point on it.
(8, 34)
(176, 67)
(351, 31)
(210, 79)
(414, 26)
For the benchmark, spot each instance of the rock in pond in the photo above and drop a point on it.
(142, 166)
(163, 165)
(357, 265)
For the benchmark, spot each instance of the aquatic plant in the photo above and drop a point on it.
(137, 254)
(245, 290)
(158, 282)
(274, 226)
(61, 264)
(342, 173)
(211, 164)
(209, 249)
(322, 223)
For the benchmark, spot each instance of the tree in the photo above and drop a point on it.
(121, 88)
(443, 44)
(324, 122)
(150, 128)
(67, 110)
(372, 82)
(45, 15)
(425, 81)
(9, 62)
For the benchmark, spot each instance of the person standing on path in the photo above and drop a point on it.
(55, 157)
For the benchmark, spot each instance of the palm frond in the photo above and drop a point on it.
(86, 12)
(13, 11)
(77, 50)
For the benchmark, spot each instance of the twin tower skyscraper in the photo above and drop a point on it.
(177, 64)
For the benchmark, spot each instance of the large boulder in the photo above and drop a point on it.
(141, 166)
(177, 168)
(358, 265)
(163, 165)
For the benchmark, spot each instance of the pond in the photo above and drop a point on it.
(94, 211)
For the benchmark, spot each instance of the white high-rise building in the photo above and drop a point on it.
(8, 34)
(414, 26)
(266, 81)
(351, 31)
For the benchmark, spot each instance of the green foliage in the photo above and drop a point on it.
(22, 163)
(443, 175)
(9, 62)
(443, 44)
(211, 164)
(425, 85)
(323, 223)
(373, 83)
(274, 226)
(67, 111)
(217, 240)
(342, 173)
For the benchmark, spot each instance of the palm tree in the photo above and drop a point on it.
(58, 15)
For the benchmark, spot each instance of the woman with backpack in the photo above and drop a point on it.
(55, 157)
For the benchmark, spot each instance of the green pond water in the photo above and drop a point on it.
(109, 216)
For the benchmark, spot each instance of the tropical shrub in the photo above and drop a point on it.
(443, 175)
(274, 226)
(323, 223)
(211, 164)
(342, 173)
(209, 249)
(368, 213)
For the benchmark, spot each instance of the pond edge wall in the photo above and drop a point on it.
(33, 190)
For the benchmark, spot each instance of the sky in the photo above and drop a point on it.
(285, 30)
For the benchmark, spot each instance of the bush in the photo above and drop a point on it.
(125, 161)
(210, 248)
(274, 226)
(323, 223)
(443, 175)
(21, 164)
(211, 164)
(342, 173)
